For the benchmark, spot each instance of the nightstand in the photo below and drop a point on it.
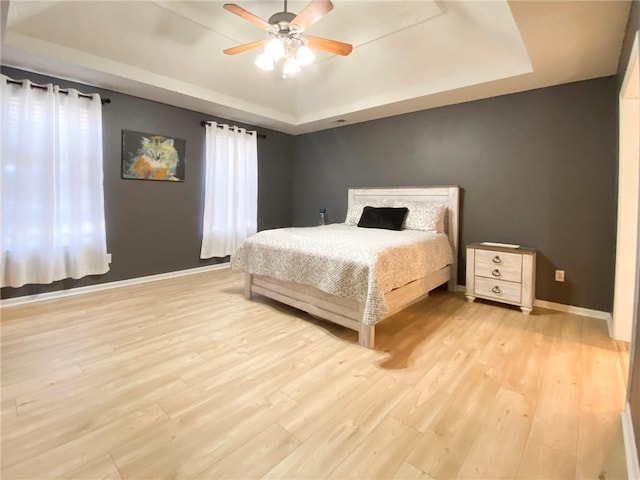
(502, 274)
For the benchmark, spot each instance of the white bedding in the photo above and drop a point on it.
(344, 260)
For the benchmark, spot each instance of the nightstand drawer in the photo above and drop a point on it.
(498, 289)
(499, 265)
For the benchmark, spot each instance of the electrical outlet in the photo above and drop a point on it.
(108, 258)
(559, 275)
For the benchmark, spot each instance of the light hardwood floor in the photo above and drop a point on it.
(185, 378)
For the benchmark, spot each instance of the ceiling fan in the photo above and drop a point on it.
(287, 43)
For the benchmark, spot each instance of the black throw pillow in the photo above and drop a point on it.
(383, 217)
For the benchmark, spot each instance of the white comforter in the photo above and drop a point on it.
(345, 260)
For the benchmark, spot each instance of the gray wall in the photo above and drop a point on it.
(633, 26)
(155, 227)
(536, 168)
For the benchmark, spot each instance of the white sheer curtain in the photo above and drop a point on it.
(52, 225)
(231, 189)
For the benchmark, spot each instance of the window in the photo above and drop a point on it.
(52, 225)
(231, 189)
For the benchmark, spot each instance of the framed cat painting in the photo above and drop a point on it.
(147, 156)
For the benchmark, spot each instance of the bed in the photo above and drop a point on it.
(330, 271)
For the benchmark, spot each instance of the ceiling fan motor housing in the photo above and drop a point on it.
(281, 20)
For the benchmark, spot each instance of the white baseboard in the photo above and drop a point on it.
(587, 312)
(630, 450)
(39, 297)
(561, 307)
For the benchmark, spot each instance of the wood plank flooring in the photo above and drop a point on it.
(185, 378)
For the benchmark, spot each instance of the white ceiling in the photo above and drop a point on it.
(408, 55)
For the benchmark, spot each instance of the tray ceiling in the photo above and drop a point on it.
(407, 55)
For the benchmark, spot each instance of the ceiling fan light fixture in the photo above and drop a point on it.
(305, 55)
(264, 62)
(288, 46)
(275, 49)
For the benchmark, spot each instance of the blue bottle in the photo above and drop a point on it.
(323, 217)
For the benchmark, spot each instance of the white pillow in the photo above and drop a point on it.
(354, 211)
(423, 216)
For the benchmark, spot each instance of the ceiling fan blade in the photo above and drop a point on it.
(248, 16)
(326, 45)
(313, 12)
(245, 47)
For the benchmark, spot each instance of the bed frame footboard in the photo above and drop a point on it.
(343, 311)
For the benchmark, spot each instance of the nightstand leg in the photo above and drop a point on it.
(470, 298)
(526, 310)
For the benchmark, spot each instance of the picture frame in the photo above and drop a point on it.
(149, 156)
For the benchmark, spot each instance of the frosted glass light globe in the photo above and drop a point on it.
(305, 55)
(274, 48)
(264, 62)
(291, 66)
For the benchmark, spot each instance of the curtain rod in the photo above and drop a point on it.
(61, 90)
(205, 122)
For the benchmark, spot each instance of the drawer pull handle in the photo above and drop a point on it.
(497, 259)
(496, 290)
(496, 273)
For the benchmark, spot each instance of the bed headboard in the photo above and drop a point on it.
(443, 195)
